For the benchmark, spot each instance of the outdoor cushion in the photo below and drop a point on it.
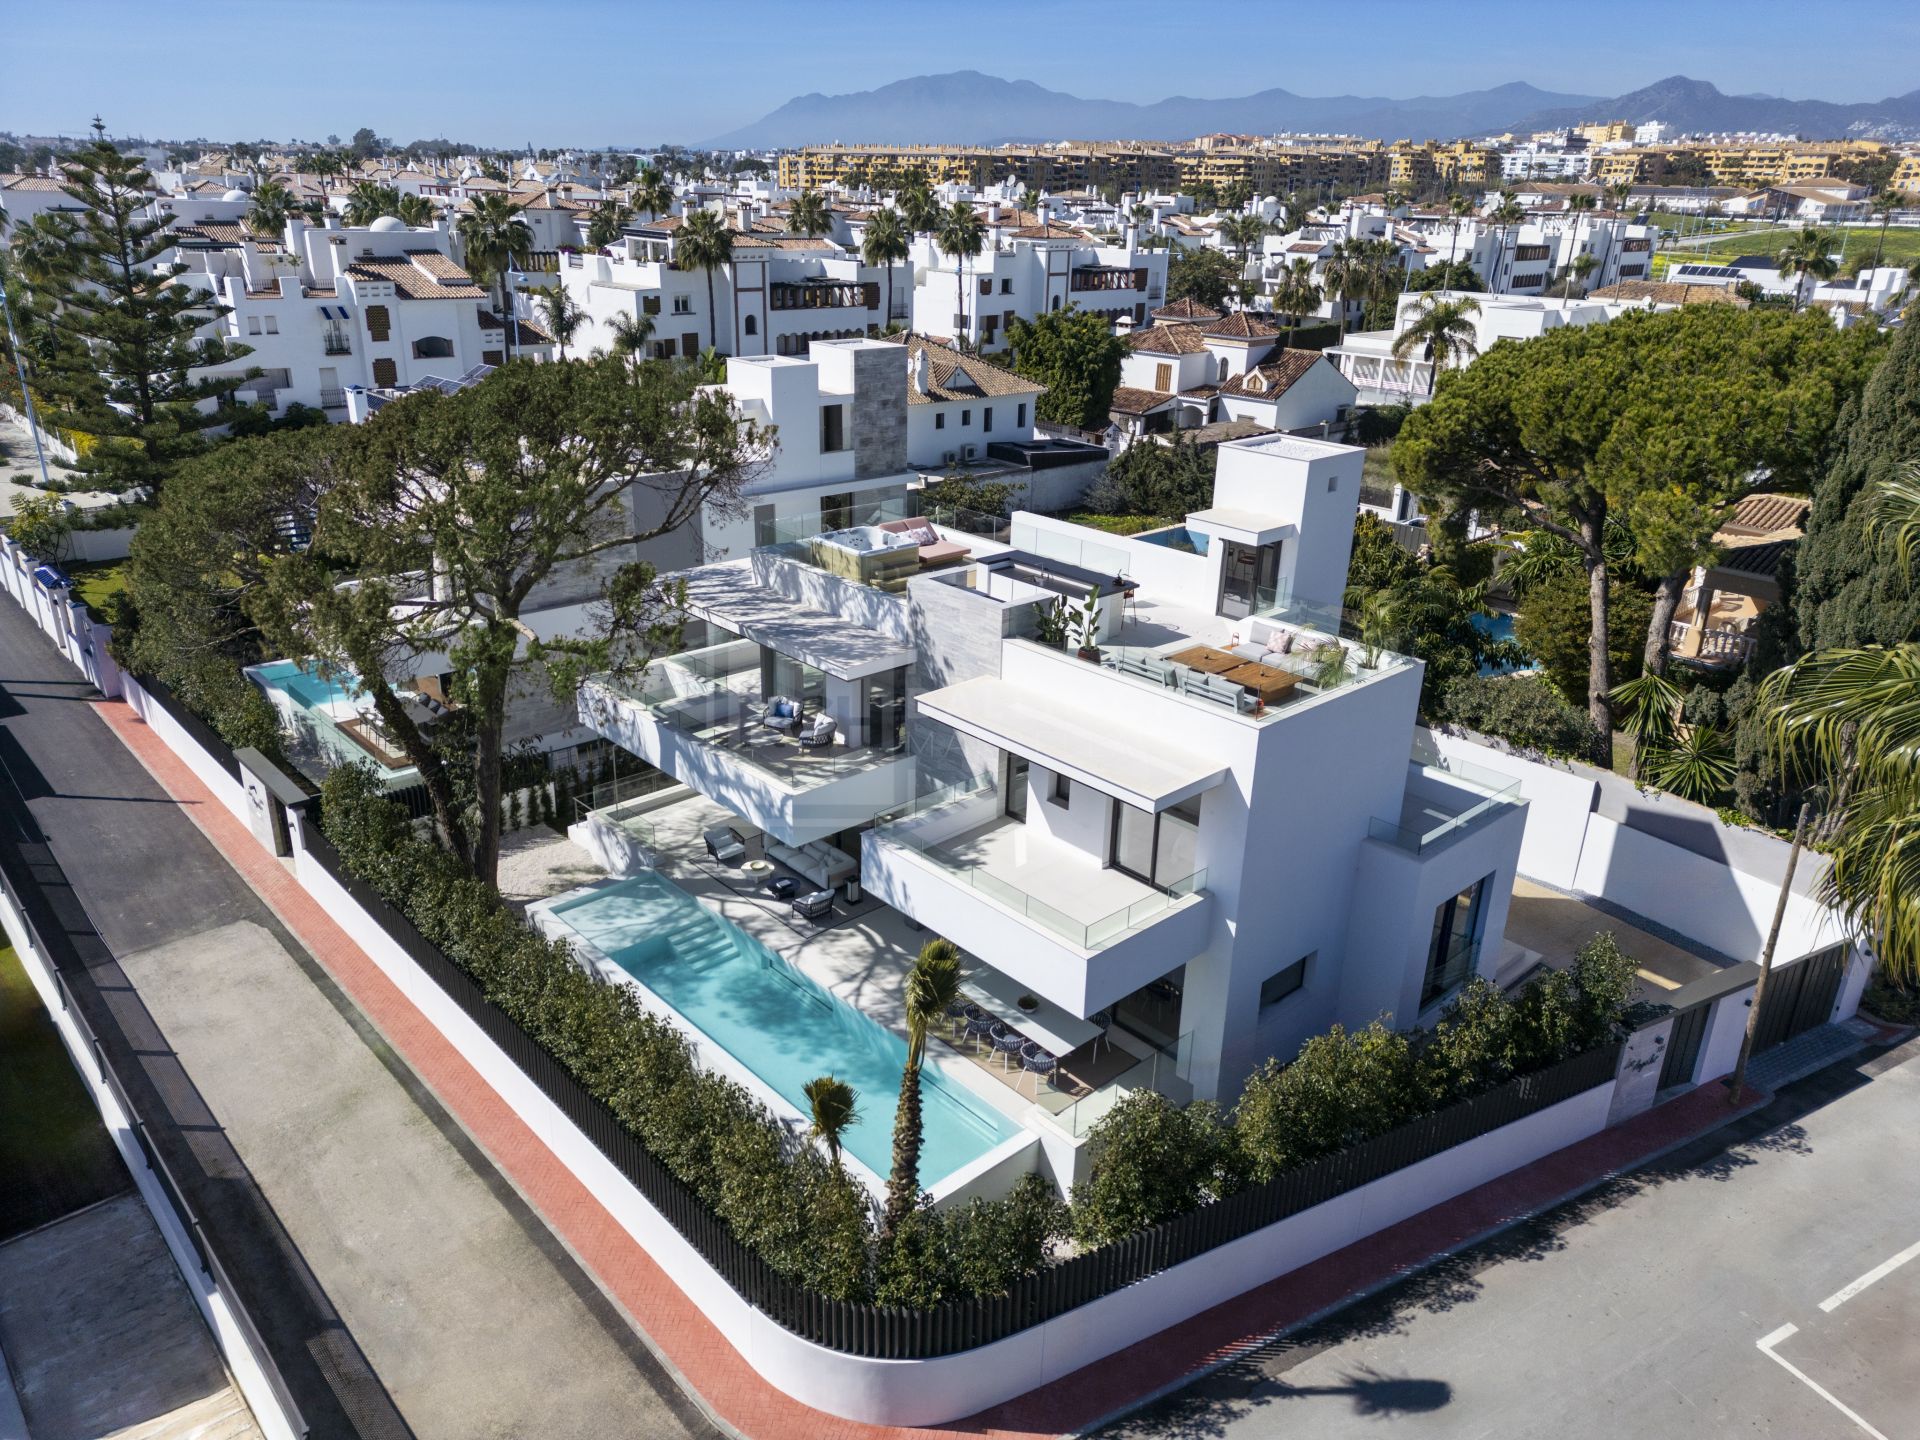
(1249, 652)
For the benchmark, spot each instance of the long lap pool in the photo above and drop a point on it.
(777, 1022)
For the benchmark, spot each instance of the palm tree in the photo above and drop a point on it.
(705, 243)
(1243, 232)
(1848, 719)
(1504, 217)
(1458, 209)
(368, 201)
(631, 336)
(1342, 276)
(932, 985)
(416, 210)
(808, 215)
(917, 205)
(1806, 257)
(1296, 293)
(607, 223)
(886, 243)
(652, 193)
(1443, 332)
(961, 235)
(834, 1109)
(1030, 202)
(1884, 204)
(493, 238)
(563, 315)
(272, 204)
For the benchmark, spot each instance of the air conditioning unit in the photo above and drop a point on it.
(970, 451)
(948, 457)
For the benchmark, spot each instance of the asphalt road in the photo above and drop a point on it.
(1764, 1281)
(402, 1284)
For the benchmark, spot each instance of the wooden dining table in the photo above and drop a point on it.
(1269, 683)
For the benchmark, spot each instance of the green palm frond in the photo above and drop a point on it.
(1695, 765)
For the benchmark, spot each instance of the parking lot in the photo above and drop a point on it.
(1763, 1281)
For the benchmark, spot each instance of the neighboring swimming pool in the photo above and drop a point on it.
(1498, 626)
(1176, 537)
(309, 689)
(778, 1023)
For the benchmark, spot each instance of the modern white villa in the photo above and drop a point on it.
(1177, 843)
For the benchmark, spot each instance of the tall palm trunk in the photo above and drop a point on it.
(903, 1180)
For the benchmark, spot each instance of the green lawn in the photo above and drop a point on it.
(1902, 245)
(55, 1155)
(95, 580)
(1117, 524)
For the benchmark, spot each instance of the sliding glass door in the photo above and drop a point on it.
(1156, 849)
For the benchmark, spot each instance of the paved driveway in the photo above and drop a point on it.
(1712, 1295)
(404, 1286)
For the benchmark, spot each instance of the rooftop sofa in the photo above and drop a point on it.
(933, 551)
(824, 864)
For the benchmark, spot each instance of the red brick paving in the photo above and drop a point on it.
(682, 1335)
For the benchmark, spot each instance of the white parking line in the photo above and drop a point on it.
(1785, 1332)
(1879, 1272)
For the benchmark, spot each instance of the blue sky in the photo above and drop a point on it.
(597, 72)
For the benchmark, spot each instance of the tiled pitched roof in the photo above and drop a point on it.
(1763, 559)
(30, 182)
(1168, 340)
(226, 233)
(1668, 292)
(1273, 379)
(962, 377)
(1128, 400)
(1048, 232)
(420, 275)
(1769, 514)
(1240, 326)
(1187, 310)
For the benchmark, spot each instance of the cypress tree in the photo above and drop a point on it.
(1849, 588)
(121, 374)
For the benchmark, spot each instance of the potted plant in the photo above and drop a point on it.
(1050, 624)
(1331, 665)
(1086, 627)
(1376, 615)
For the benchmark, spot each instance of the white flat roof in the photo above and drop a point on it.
(1133, 765)
(726, 595)
(1246, 525)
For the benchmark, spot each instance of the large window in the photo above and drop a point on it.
(432, 347)
(1282, 983)
(1159, 849)
(1456, 933)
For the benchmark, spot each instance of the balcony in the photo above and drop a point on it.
(334, 398)
(824, 295)
(336, 342)
(700, 718)
(1052, 917)
(1445, 799)
(1108, 277)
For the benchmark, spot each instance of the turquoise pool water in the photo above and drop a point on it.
(777, 1022)
(1176, 537)
(308, 688)
(1498, 626)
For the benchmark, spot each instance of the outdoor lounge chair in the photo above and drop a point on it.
(818, 729)
(724, 846)
(813, 905)
(781, 713)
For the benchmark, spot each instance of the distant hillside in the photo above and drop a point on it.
(968, 108)
(1697, 106)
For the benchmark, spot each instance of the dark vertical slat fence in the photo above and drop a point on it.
(203, 734)
(885, 1332)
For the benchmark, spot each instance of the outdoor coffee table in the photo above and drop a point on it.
(758, 867)
(783, 887)
(1206, 659)
(1266, 681)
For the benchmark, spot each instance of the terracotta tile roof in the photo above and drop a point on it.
(1273, 379)
(1240, 326)
(224, 233)
(962, 377)
(420, 275)
(1184, 339)
(1047, 232)
(1306, 247)
(30, 182)
(1761, 559)
(1767, 515)
(1186, 310)
(1200, 392)
(1128, 400)
(527, 334)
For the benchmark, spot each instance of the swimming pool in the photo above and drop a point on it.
(778, 1023)
(1498, 626)
(312, 690)
(1176, 537)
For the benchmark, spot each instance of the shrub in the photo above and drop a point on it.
(1474, 1046)
(782, 1200)
(979, 1250)
(1152, 1160)
(1342, 1088)
(1555, 620)
(1567, 1012)
(1893, 1003)
(1523, 710)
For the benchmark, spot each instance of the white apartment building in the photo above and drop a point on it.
(778, 294)
(1025, 272)
(1182, 373)
(327, 308)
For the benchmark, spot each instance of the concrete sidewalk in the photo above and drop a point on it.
(403, 1287)
(730, 1387)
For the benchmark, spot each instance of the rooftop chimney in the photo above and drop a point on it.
(922, 372)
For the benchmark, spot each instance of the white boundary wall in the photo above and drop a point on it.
(229, 791)
(79, 638)
(227, 1331)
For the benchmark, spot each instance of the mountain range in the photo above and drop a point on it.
(966, 107)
